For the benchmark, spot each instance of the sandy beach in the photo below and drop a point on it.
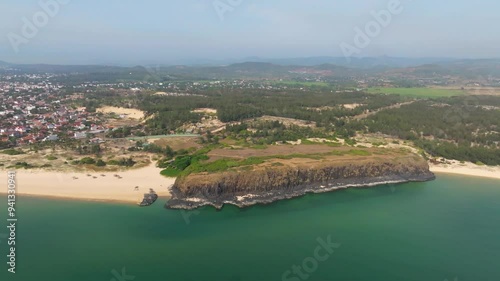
(466, 169)
(108, 186)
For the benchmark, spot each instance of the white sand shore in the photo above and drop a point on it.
(83, 187)
(467, 169)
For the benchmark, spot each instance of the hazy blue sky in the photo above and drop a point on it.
(166, 31)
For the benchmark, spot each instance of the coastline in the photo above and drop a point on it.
(181, 202)
(99, 186)
(466, 169)
(61, 185)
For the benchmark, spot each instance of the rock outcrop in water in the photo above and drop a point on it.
(265, 185)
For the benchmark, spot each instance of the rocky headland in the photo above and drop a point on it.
(270, 183)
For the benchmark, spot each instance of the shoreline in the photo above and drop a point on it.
(466, 169)
(110, 189)
(64, 198)
(116, 187)
(181, 202)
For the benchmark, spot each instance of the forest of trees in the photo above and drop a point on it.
(238, 105)
(454, 128)
(270, 132)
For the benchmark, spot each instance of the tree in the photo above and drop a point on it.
(169, 152)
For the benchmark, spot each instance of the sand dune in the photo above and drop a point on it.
(98, 186)
(129, 112)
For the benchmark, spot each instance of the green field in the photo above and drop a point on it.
(418, 92)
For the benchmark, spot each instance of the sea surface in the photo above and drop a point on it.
(448, 229)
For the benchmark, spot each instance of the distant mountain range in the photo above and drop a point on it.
(369, 62)
(375, 62)
(324, 66)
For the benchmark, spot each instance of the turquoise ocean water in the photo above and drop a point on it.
(448, 229)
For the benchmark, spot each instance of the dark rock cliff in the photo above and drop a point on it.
(266, 185)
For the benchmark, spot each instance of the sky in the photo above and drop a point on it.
(132, 32)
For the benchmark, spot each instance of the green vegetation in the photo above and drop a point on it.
(174, 167)
(87, 161)
(120, 132)
(21, 165)
(51, 158)
(88, 149)
(12, 152)
(171, 172)
(260, 134)
(351, 142)
(189, 164)
(167, 151)
(245, 104)
(302, 84)
(124, 162)
(454, 128)
(220, 165)
(461, 152)
(308, 142)
(418, 92)
(357, 152)
(292, 156)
